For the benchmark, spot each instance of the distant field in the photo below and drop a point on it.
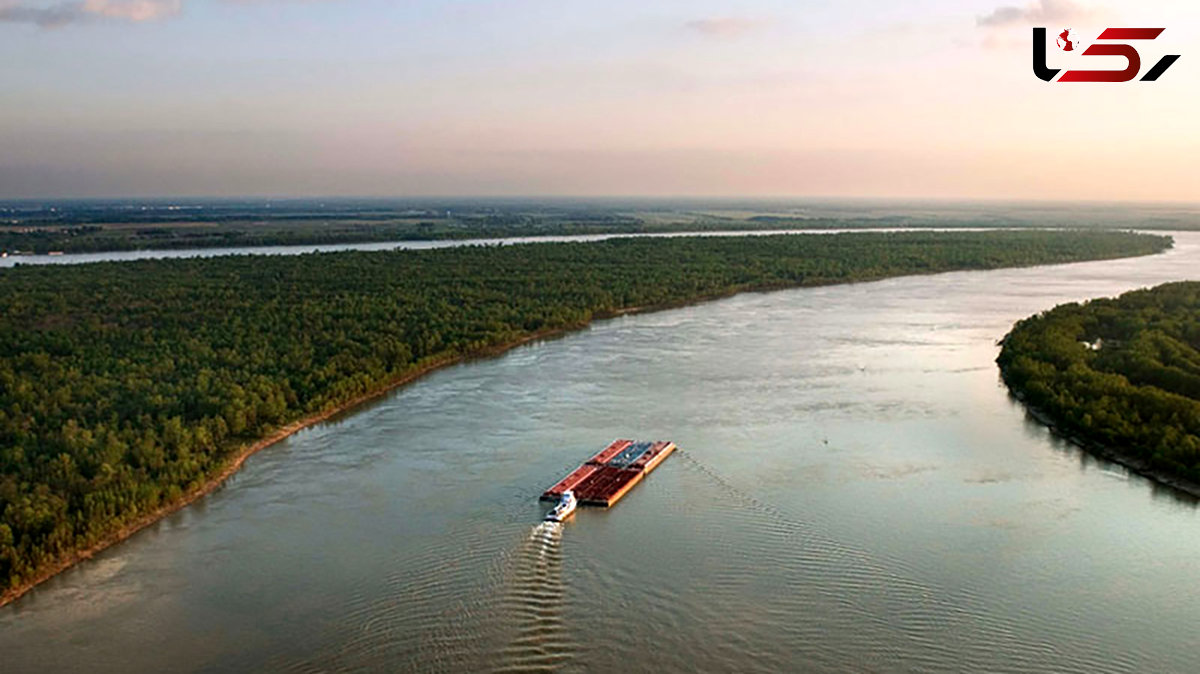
(95, 226)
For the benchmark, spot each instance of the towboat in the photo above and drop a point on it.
(564, 508)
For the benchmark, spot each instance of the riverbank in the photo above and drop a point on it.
(239, 458)
(1117, 377)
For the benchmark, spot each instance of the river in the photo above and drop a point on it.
(855, 491)
(166, 253)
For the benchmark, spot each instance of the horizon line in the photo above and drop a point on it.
(609, 197)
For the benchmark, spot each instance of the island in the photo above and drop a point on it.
(1119, 377)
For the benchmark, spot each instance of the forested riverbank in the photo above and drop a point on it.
(129, 389)
(1121, 377)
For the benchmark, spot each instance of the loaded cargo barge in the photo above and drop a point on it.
(609, 475)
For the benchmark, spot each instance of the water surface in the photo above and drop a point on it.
(855, 491)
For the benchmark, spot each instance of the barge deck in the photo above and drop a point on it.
(610, 474)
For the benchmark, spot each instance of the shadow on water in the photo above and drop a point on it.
(1159, 491)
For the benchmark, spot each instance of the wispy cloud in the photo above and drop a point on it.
(81, 11)
(725, 27)
(1040, 12)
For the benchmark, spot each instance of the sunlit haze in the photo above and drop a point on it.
(532, 97)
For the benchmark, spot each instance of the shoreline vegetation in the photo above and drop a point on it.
(239, 458)
(1119, 378)
(129, 390)
(234, 464)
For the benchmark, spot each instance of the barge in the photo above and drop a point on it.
(610, 474)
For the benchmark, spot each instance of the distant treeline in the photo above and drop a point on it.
(1120, 374)
(307, 232)
(115, 232)
(290, 232)
(123, 386)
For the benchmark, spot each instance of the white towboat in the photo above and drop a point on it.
(564, 508)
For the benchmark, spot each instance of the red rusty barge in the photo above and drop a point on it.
(609, 475)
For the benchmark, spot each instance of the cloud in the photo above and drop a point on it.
(134, 10)
(82, 11)
(1040, 12)
(724, 27)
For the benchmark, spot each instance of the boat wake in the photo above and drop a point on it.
(534, 604)
(548, 534)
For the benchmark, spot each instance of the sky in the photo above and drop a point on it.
(857, 98)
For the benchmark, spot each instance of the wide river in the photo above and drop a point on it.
(855, 492)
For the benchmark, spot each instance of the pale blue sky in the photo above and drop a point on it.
(357, 97)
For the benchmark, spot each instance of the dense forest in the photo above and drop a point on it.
(123, 386)
(1121, 375)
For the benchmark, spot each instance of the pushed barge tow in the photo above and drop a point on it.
(609, 475)
(566, 506)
